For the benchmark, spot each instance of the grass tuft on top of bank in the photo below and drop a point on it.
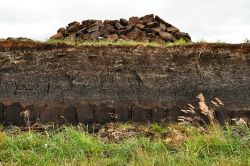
(116, 43)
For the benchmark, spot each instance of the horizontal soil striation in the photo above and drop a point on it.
(86, 84)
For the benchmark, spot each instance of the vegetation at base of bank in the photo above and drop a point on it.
(127, 144)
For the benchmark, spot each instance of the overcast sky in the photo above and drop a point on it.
(210, 20)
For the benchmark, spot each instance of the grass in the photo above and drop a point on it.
(117, 43)
(176, 145)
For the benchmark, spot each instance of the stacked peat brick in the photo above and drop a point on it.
(148, 28)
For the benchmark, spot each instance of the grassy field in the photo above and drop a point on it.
(127, 144)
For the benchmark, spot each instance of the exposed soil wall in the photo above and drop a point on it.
(85, 84)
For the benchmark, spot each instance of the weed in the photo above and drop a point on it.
(157, 128)
(246, 40)
(202, 114)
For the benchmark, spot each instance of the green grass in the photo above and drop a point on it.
(117, 43)
(73, 146)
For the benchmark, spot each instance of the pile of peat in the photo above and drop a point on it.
(148, 28)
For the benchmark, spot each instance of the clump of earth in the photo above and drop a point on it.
(149, 28)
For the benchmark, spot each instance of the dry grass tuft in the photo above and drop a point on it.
(202, 114)
(2, 138)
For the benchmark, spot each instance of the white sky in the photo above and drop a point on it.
(209, 20)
